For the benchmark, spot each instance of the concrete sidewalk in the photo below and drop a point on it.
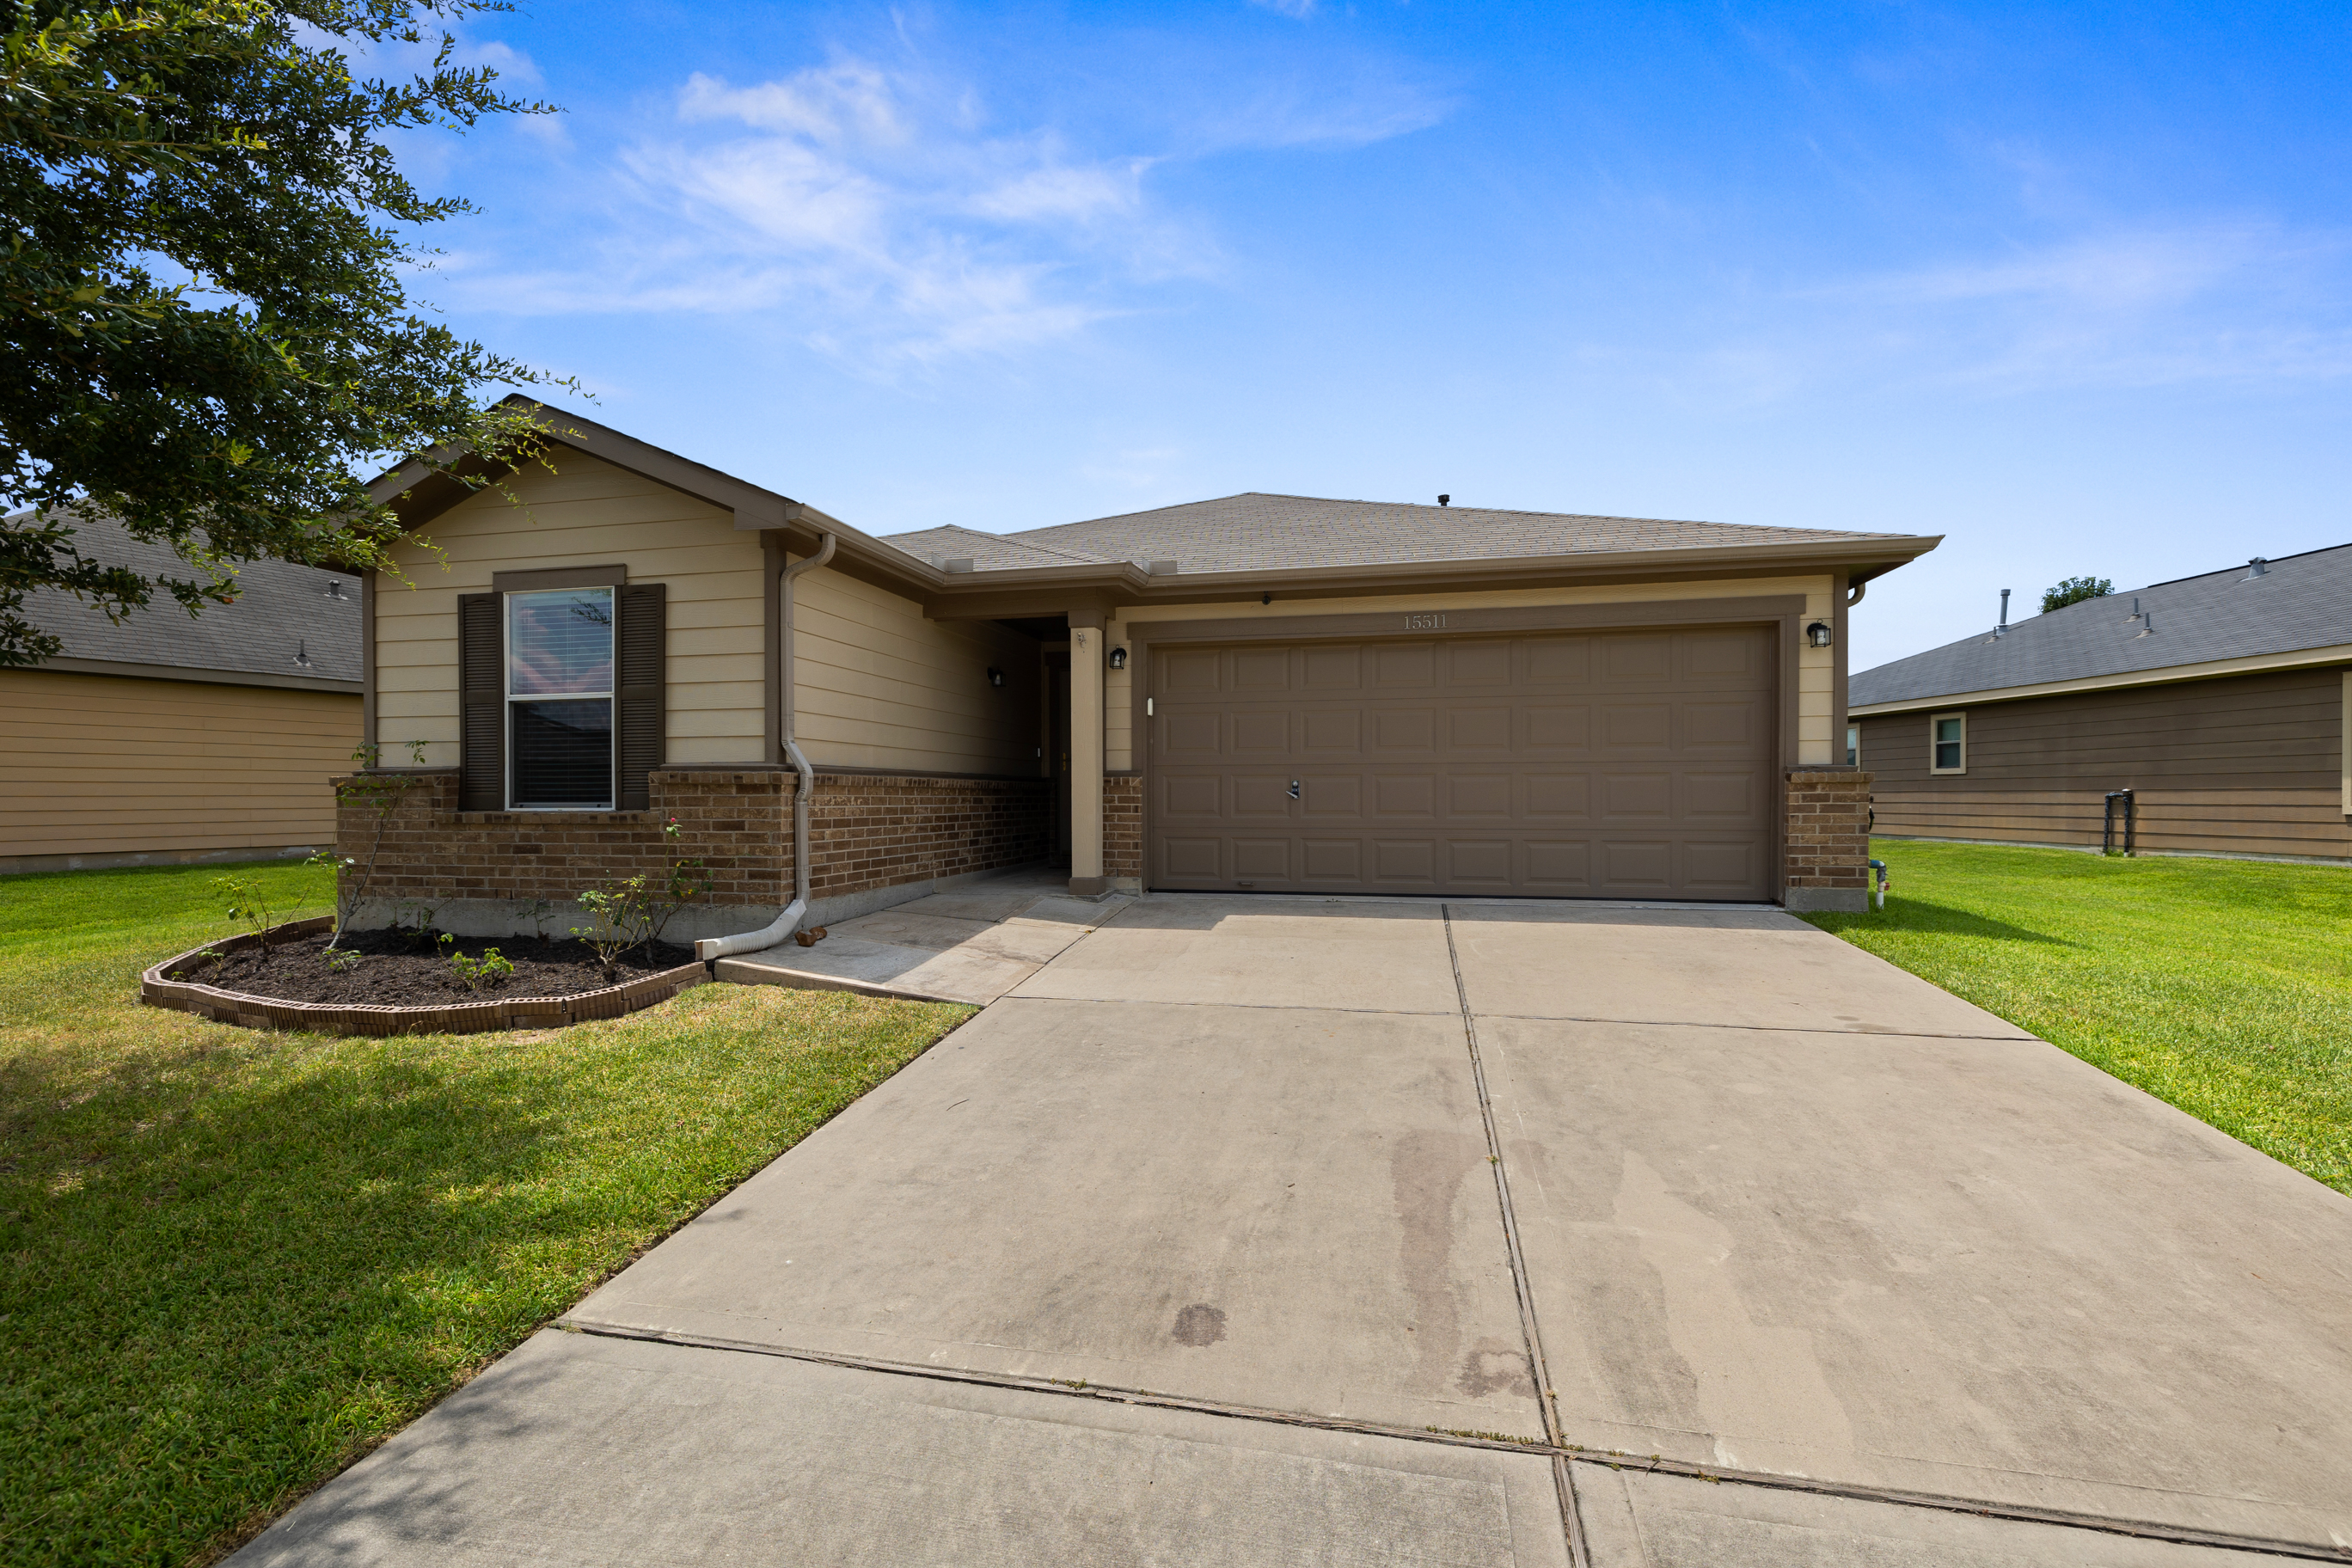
(1193, 1249)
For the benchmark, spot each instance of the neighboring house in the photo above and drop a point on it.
(1265, 693)
(2221, 702)
(171, 738)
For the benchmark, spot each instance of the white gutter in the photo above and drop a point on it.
(790, 920)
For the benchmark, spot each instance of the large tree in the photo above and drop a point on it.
(204, 331)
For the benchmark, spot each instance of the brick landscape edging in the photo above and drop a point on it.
(160, 987)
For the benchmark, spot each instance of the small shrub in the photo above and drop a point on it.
(621, 916)
(479, 973)
(248, 903)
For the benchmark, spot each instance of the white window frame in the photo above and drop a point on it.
(506, 714)
(1852, 744)
(1935, 722)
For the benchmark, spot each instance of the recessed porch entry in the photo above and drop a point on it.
(1601, 763)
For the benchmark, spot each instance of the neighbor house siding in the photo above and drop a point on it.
(584, 513)
(2248, 765)
(1816, 668)
(881, 687)
(98, 765)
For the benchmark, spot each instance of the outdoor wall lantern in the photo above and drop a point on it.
(996, 677)
(1818, 634)
(1119, 659)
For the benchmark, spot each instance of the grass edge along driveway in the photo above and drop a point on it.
(2223, 987)
(232, 1261)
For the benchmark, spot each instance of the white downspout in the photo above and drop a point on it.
(790, 920)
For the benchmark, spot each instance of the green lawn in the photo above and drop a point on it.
(2224, 986)
(232, 1261)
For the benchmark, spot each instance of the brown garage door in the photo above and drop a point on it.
(1606, 765)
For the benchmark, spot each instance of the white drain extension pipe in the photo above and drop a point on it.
(790, 920)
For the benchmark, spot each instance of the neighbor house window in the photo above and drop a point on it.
(560, 699)
(1854, 745)
(1947, 743)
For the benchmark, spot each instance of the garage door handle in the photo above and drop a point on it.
(1293, 789)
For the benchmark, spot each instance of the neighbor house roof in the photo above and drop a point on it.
(2298, 609)
(284, 629)
(1259, 532)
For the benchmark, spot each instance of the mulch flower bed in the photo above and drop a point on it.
(402, 984)
(399, 968)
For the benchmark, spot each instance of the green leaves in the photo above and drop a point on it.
(2074, 591)
(203, 235)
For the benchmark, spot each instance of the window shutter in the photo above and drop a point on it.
(641, 689)
(482, 695)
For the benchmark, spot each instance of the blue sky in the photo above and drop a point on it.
(2067, 284)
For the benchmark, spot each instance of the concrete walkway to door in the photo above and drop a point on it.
(1306, 1231)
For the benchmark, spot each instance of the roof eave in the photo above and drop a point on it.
(1009, 591)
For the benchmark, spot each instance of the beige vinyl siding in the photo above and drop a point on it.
(881, 687)
(1816, 666)
(100, 764)
(2248, 764)
(585, 513)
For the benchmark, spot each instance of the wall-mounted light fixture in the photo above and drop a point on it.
(1119, 659)
(996, 677)
(1819, 634)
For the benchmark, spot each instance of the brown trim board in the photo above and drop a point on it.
(539, 578)
(193, 676)
(367, 658)
(1785, 610)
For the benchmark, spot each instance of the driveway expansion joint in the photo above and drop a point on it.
(1579, 1555)
(1563, 1454)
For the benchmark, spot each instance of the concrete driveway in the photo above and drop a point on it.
(1314, 1231)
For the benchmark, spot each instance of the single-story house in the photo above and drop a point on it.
(2214, 709)
(1264, 692)
(173, 739)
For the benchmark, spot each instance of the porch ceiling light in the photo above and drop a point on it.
(1119, 659)
(1819, 634)
(996, 677)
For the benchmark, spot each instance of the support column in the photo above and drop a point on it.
(1087, 879)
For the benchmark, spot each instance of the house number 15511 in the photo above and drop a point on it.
(1429, 622)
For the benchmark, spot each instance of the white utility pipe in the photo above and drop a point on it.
(790, 920)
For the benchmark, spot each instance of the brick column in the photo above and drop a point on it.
(1123, 830)
(1825, 849)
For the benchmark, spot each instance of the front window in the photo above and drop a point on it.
(1854, 745)
(560, 699)
(1950, 732)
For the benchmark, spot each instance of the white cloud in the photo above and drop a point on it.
(2239, 303)
(1301, 9)
(884, 216)
(873, 208)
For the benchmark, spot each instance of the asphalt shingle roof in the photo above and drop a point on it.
(2300, 602)
(281, 610)
(1255, 531)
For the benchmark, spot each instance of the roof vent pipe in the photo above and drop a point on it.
(2147, 624)
(789, 922)
(2257, 567)
(2002, 630)
(1445, 501)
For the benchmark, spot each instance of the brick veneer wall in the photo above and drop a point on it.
(877, 830)
(866, 832)
(1123, 827)
(1826, 846)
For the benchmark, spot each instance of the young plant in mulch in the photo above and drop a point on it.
(381, 793)
(478, 974)
(635, 911)
(617, 917)
(248, 903)
(688, 881)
